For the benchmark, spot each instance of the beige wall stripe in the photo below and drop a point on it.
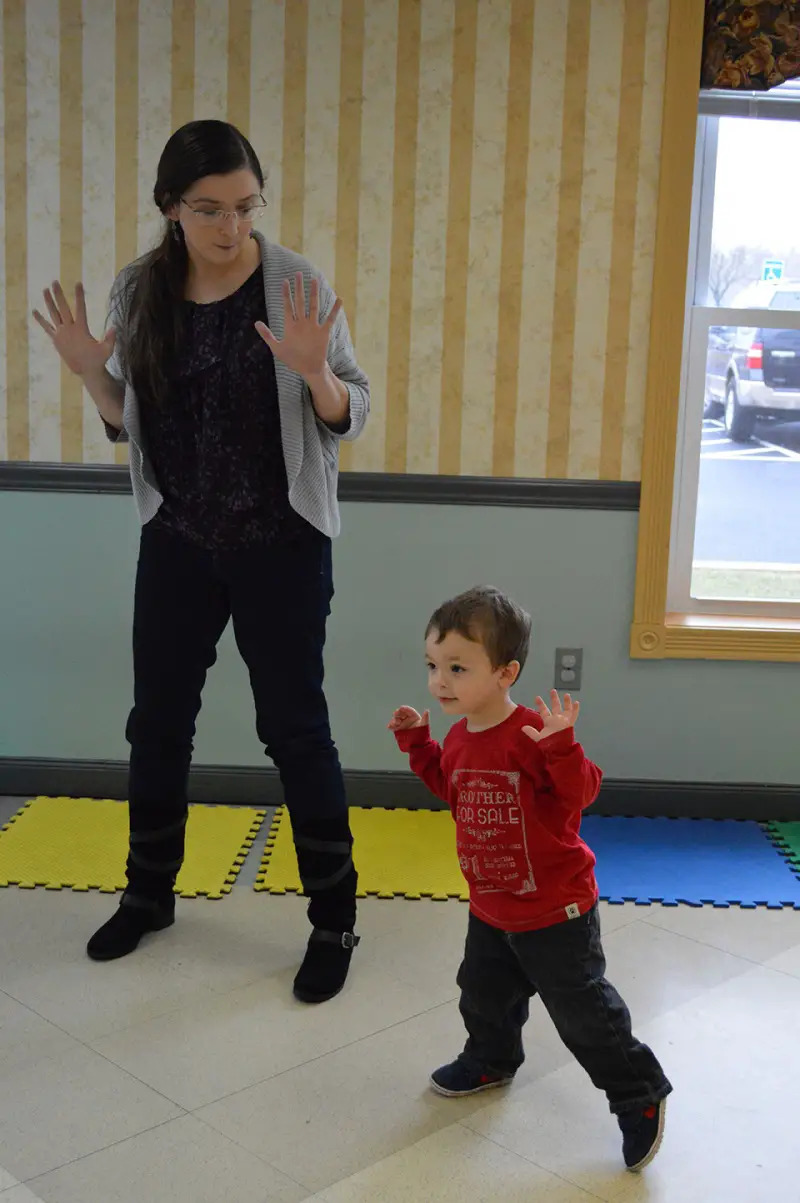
(183, 20)
(294, 123)
(595, 238)
(211, 46)
(348, 183)
(375, 221)
(512, 256)
(644, 243)
(71, 172)
(99, 253)
(623, 239)
(16, 234)
(485, 235)
(562, 346)
(433, 154)
(462, 125)
(401, 275)
(126, 143)
(43, 162)
(323, 100)
(266, 102)
(548, 74)
(3, 392)
(126, 131)
(155, 114)
(239, 57)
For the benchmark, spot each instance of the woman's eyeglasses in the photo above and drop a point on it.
(246, 215)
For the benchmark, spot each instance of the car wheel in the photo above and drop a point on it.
(739, 422)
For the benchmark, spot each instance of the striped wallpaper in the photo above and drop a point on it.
(477, 178)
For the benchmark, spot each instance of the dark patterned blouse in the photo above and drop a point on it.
(216, 444)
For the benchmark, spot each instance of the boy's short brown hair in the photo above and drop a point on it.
(485, 615)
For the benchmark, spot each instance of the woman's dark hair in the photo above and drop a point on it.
(154, 316)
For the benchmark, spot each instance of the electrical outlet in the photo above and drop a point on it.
(569, 668)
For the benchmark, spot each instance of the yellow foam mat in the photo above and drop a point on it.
(82, 844)
(398, 853)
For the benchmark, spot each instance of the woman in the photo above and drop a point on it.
(228, 367)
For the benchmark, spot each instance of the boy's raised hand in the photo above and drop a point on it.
(406, 717)
(555, 717)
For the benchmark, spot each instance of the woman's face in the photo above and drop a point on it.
(217, 215)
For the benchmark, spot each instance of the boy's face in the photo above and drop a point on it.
(461, 676)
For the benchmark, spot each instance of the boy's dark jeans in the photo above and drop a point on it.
(278, 598)
(565, 966)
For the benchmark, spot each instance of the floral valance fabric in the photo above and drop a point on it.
(753, 46)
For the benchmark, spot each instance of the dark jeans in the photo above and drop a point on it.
(278, 599)
(565, 966)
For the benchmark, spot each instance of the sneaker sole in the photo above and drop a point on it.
(460, 1094)
(656, 1145)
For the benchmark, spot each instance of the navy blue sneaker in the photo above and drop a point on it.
(457, 1079)
(642, 1133)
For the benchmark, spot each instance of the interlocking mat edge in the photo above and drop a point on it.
(692, 862)
(400, 854)
(81, 844)
(786, 837)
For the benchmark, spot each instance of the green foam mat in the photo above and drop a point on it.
(787, 837)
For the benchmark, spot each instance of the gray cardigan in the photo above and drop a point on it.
(310, 448)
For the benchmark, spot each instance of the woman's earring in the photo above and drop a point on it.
(176, 231)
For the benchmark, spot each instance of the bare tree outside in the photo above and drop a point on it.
(729, 269)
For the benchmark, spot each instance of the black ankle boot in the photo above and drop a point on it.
(123, 931)
(325, 965)
(325, 860)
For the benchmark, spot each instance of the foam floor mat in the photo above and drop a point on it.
(723, 862)
(81, 844)
(399, 853)
(411, 854)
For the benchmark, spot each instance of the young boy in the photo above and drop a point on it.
(516, 782)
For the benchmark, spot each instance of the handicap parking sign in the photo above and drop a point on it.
(772, 270)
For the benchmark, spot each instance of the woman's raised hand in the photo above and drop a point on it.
(70, 335)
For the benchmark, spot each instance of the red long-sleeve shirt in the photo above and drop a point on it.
(517, 806)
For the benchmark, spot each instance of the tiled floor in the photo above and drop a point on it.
(187, 1073)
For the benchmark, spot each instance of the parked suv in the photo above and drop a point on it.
(753, 372)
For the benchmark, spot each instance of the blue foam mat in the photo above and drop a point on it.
(693, 861)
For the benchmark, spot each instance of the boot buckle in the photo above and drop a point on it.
(345, 939)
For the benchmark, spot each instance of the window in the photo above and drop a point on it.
(718, 574)
(735, 541)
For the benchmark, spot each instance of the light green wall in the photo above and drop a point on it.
(67, 564)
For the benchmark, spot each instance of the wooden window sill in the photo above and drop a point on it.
(717, 637)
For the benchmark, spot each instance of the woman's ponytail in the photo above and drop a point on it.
(155, 317)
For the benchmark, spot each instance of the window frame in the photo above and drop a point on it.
(656, 631)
